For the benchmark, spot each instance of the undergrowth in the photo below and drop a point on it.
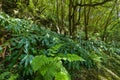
(31, 52)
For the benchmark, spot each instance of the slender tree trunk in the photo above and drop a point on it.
(70, 17)
(107, 23)
(85, 23)
(62, 17)
(57, 12)
(0, 5)
(73, 21)
(79, 15)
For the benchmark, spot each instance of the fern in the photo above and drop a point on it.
(63, 75)
(50, 67)
(71, 57)
(40, 61)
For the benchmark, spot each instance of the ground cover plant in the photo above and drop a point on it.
(59, 40)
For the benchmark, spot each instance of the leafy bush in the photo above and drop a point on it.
(26, 41)
(38, 53)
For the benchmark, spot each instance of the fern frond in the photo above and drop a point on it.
(71, 57)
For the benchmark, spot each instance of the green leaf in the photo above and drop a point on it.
(62, 75)
(95, 57)
(71, 57)
(40, 61)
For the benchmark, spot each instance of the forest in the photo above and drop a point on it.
(59, 39)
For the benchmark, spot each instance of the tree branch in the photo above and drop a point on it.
(94, 4)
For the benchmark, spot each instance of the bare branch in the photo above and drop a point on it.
(94, 4)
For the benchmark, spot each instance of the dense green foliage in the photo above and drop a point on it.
(28, 40)
(60, 40)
